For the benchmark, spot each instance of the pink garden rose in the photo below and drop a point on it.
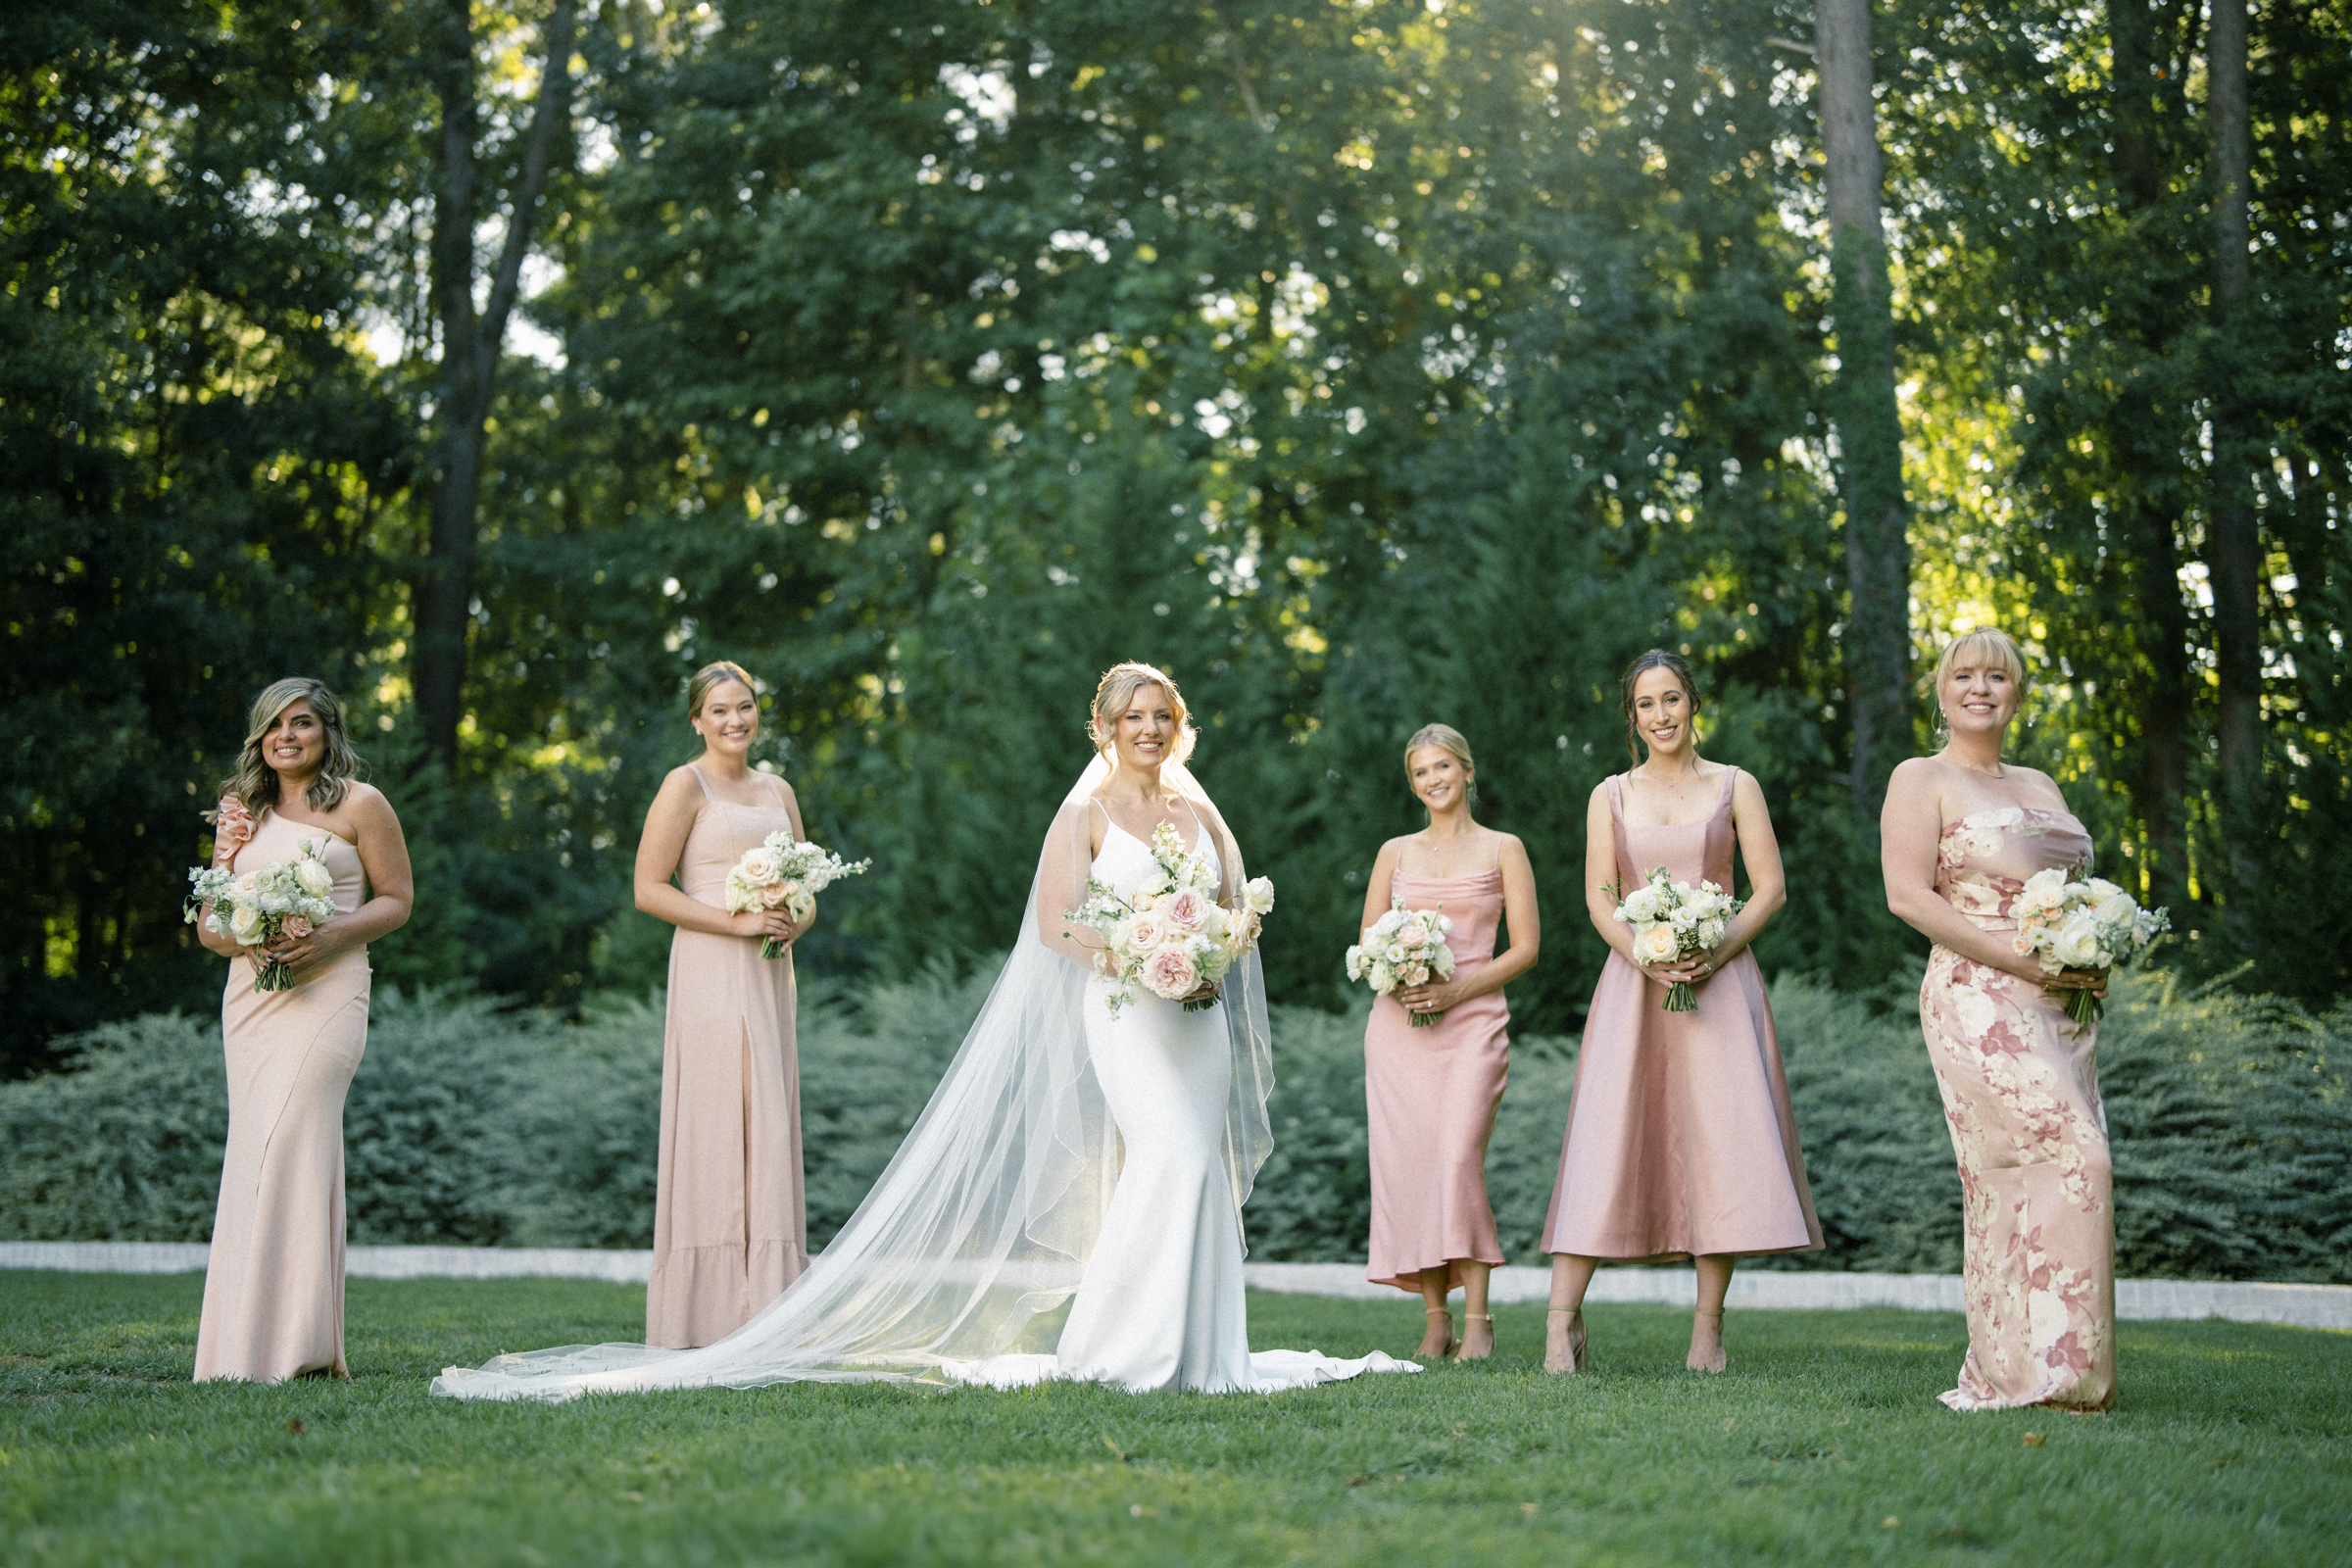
(1144, 931)
(297, 926)
(1187, 910)
(1171, 972)
(774, 895)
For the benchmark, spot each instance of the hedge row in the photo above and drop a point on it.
(2232, 1126)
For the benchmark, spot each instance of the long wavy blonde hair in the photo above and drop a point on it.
(1117, 688)
(255, 782)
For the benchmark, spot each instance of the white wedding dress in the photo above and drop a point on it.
(1066, 1157)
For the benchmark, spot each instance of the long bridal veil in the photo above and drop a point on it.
(976, 1233)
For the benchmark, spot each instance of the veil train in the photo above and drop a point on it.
(983, 1220)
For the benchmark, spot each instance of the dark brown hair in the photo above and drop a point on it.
(1655, 659)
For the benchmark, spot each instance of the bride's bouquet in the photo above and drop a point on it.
(2066, 923)
(1404, 948)
(285, 897)
(1672, 921)
(1171, 934)
(782, 873)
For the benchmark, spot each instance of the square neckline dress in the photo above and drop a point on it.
(1680, 1140)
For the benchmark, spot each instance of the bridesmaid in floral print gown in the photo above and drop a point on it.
(1961, 832)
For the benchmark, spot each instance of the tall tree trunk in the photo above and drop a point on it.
(1877, 645)
(2142, 446)
(2233, 543)
(470, 345)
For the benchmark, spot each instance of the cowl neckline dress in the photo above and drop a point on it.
(2020, 1094)
(274, 1279)
(1431, 1095)
(1680, 1138)
(730, 1218)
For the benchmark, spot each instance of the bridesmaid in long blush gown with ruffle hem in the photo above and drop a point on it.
(1680, 1140)
(730, 1226)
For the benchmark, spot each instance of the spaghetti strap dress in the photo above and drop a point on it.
(1680, 1141)
(273, 1279)
(1431, 1095)
(730, 1218)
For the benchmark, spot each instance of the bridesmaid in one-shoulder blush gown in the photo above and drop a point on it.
(1432, 1086)
(274, 1281)
(1961, 832)
(1680, 1138)
(730, 1226)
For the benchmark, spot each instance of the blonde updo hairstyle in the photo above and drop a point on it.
(1117, 688)
(1994, 646)
(255, 782)
(1447, 738)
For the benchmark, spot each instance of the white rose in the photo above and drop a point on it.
(2117, 910)
(316, 879)
(1258, 893)
(2102, 889)
(1655, 943)
(762, 866)
(245, 923)
(2076, 945)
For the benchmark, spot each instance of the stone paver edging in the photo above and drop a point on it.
(2318, 1307)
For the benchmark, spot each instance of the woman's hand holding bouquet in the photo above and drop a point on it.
(787, 875)
(1404, 948)
(1673, 920)
(1171, 935)
(2076, 929)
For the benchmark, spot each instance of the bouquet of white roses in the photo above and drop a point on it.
(782, 873)
(1672, 921)
(1171, 934)
(2065, 922)
(1404, 948)
(285, 897)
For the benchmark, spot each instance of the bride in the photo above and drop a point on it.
(1068, 1205)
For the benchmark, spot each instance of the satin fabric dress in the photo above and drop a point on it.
(2021, 1093)
(274, 1281)
(1160, 1306)
(1680, 1140)
(731, 1217)
(1430, 1096)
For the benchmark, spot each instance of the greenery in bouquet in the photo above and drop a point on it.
(256, 908)
(786, 873)
(1171, 934)
(1404, 948)
(1673, 920)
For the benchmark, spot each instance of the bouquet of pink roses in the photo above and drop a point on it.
(783, 873)
(1171, 934)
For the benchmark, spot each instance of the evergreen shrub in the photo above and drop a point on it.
(466, 1124)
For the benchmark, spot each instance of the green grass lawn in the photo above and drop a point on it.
(1823, 1443)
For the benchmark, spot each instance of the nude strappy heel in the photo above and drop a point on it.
(1462, 1351)
(1564, 1339)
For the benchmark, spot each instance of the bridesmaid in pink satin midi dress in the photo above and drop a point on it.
(731, 1217)
(1680, 1141)
(1431, 1092)
(273, 1279)
(1960, 833)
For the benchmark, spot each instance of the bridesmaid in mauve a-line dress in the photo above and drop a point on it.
(273, 1282)
(1680, 1141)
